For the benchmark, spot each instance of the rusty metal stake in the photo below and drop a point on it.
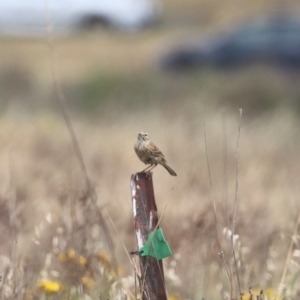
(152, 282)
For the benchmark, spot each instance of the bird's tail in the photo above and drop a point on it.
(171, 171)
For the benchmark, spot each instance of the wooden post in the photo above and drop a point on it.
(152, 283)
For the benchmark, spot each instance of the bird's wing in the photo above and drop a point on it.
(155, 150)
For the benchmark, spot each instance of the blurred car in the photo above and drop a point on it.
(275, 40)
(19, 17)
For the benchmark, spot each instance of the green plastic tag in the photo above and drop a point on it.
(156, 245)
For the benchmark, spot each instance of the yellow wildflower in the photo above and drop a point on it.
(271, 294)
(105, 260)
(82, 260)
(88, 281)
(268, 294)
(71, 253)
(62, 257)
(49, 286)
(174, 297)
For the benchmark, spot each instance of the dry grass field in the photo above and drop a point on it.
(53, 245)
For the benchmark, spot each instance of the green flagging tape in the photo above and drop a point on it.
(156, 245)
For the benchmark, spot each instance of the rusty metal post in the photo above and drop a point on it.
(152, 282)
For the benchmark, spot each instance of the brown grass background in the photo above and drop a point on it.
(114, 88)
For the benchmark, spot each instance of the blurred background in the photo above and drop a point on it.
(165, 67)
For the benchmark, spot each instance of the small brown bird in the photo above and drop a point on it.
(149, 154)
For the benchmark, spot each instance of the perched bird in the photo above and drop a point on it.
(149, 154)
